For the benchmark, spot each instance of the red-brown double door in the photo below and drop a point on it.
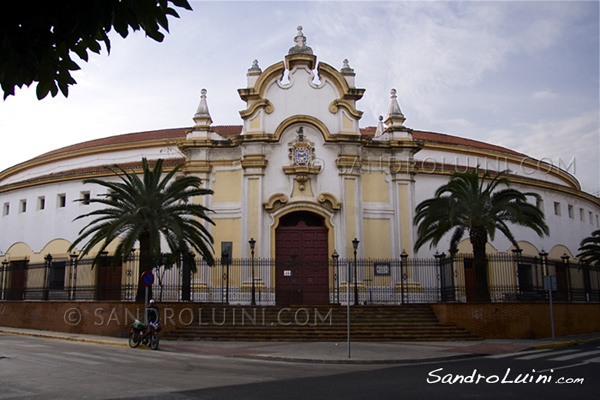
(301, 269)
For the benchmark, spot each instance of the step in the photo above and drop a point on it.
(368, 323)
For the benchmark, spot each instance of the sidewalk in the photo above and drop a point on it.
(331, 352)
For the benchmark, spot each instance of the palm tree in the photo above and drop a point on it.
(146, 211)
(589, 250)
(466, 203)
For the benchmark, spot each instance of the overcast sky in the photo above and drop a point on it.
(518, 74)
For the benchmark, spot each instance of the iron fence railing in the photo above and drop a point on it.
(261, 281)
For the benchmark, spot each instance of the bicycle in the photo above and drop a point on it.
(145, 334)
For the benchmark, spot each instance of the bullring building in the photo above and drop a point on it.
(301, 179)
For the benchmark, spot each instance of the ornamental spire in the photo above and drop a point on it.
(300, 41)
(395, 116)
(202, 116)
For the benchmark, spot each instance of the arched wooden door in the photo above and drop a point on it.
(301, 260)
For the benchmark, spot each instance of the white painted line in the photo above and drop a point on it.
(69, 359)
(576, 355)
(554, 353)
(518, 353)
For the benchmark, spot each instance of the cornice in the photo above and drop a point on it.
(522, 160)
(89, 151)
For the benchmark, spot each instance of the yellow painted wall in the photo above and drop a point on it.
(375, 188)
(376, 238)
(227, 230)
(350, 204)
(227, 187)
(405, 219)
(253, 208)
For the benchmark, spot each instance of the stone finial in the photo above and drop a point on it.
(254, 68)
(346, 67)
(380, 133)
(395, 116)
(300, 41)
(202, 116)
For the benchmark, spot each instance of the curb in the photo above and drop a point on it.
(565, 344)
(61, 337)
(356, 361)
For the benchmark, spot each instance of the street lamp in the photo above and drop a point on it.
(252, 243)
(335, 257)
(73, 275)
(355, 243)
(48, 259)
(544, 260)
(2, 280)
(403, 264)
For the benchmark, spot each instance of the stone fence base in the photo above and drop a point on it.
(520, 320)
(491, 321)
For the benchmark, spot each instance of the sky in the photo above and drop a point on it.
(520, 74)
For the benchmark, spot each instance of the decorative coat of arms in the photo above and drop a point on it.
(302, 150)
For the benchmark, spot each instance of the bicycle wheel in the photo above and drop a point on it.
(134, 339)
(154, 341)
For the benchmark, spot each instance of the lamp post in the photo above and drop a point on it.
(403, 263)
(549, 282)
(565, 259)
(48, 259)
(335, 256)
(252, 243)
(440, 259)
(2, 283)
(355, 243)
(544, 260)
(73, 275)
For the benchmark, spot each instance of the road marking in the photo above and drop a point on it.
(31, 345)
(554, 353)
(119, 358)
(564, 367)
(576, 355)
(39, 361)
(69, 359)
(518, 353)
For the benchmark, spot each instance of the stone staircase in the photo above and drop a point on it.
(415, 322)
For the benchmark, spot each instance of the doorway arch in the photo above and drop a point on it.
(301, 259)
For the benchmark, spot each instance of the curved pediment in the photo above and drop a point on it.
(299, 88)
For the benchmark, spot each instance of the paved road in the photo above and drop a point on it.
(38, 368)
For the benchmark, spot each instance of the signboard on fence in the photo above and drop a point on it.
(382, 269)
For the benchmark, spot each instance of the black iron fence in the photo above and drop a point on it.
(261, 281)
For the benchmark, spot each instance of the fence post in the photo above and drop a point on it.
(452, 258)
(2, 278)
(48, 259)
(439, 258)
(403, 263)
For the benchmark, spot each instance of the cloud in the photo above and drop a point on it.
(544, 95)
(459, 68)
(570, 142)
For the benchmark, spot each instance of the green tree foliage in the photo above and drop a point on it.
(467, 203)
(589, 250)
(37, 40)
(147, 210)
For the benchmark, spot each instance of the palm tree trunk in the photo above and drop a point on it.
(478, 237)
(145, 265)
